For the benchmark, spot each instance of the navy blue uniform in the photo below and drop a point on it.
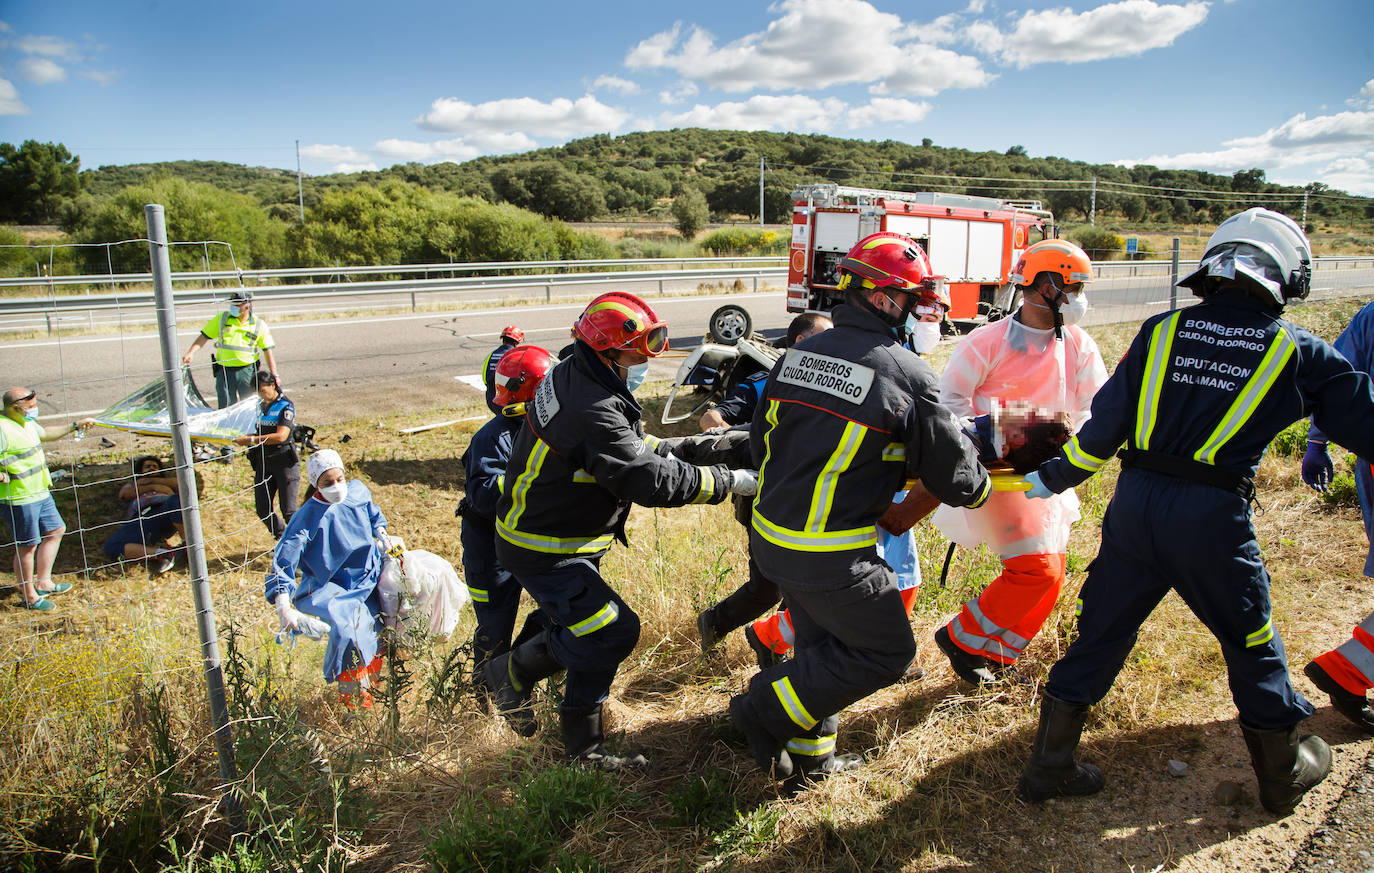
(739, 405)
(489, 374)
(495, 593)
(1197, 399)
(276, 469)
(153, 525)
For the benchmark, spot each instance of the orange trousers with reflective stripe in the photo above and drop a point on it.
(1018, 601)
(775, 631)
(351, 690)
(1346, 674)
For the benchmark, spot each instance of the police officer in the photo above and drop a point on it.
(272, 455)
(1197, 398)
(576, 466)
(846, 414)
(511, 336)
(494, 591)
(240, 338)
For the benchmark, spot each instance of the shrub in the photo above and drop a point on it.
(1100, 244)
(690, 212)
(744, 241)
(1291, 441)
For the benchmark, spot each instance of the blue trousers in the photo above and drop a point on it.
(1162, 533)
(594, 629)
(495, 593)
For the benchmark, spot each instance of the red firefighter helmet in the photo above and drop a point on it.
(1058, 256)
(892, 260)
(618, 320)
(513, 333)
(519, 372)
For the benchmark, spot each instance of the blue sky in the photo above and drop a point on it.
(1221, 85)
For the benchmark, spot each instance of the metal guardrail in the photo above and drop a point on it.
(399, 269)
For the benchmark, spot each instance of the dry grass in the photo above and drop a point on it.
(935, 795)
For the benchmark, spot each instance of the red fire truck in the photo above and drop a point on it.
(974, 242)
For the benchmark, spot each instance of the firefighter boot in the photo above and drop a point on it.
(1052, 771)
(1352, 706)
(1285, 765)
(583, 739)
(484, 648)
(973, 669)
(512, 678)
(769, 753)
(807, 770)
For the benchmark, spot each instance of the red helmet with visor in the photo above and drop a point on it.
(619, 320)
(519, 372)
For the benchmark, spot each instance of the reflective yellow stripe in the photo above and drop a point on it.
(479, 595)
(651, 441)
(526, 478)
(894, 452)
(813, 748)
(1261, 636)
(501, 484)
(603, 616)
(553, 545)
(1156, 363)
(983, 496)
(582, 477)
(823, 497)
(1250, 397)
(23, 459)
(707, 489)
(787, 695)
(810, 541)
(771, 416)
(1073, 450)
(1078, 607)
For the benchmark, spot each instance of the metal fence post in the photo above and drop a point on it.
(1173, 277)
(190, 504)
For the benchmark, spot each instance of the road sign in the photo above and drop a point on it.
(1132, 245)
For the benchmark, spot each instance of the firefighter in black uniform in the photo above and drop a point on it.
(1197, 399)
(511, 336)
(576, 467)
(846, 416)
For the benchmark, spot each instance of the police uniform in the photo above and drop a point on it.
(276, 468)
(575, 468)
(739, 405)
(237, 345)
(846, 414)
(489, 374)
(1196, 400)
(495, 593)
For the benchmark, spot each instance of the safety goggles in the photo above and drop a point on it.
(652, 341)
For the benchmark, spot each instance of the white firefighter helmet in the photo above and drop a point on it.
(1261, 245)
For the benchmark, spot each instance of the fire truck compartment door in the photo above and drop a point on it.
(949, 248)
(915, 226)
(836, 231)
(985, 247)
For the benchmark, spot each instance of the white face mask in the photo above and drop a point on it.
(334, 493)
(925, 335)
(1073, 311)
(235, 310)
(635, 376)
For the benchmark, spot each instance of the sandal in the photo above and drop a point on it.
(58, 588)
(42, 605)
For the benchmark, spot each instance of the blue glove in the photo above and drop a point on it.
(1039, 490)
(1317, 470)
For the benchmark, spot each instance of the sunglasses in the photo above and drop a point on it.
(26, 398)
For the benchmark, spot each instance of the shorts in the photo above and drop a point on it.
(154, 526)
(28, 521)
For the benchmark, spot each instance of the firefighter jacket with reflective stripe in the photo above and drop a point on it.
(846, 416)
(21, 454)
(237, 343)
(1213, 384)
(484, 465)
(579, 462)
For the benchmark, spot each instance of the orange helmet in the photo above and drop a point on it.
(519, 372)
(513, 333)
(1058, 256)
(618, 320)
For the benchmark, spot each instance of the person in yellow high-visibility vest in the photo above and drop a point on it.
(26, 505)
(240, 338)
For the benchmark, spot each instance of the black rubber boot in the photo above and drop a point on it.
(1353, 706)
(512, 677)
(764, 655)
(807, 770)
(768, 752)
(484, 648)
(1052, 771)
(973, 669)
(1286, 766)
(583, 740)
(706, 626)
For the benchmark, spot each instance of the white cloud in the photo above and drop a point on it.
(345, 159)
(4, 27)
(887, 111)
(102, 77)
(48, 46)
(558, 119)
(616, 84)
(458, 149)
(812, 45)
(1334, 149)
(1114, 30)
(1365, 98)
(42, 71)
(10, 104)
(678, 93)
(762, 112)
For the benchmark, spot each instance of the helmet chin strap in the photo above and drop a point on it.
(1054, 306)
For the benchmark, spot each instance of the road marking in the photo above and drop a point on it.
(473, 381)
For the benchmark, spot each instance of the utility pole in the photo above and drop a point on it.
(760, 190)
(1092, 216)
(300, 189)
(1304, 210)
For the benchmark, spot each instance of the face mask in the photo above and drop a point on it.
(635, 376)
(31, 414)
(334, 493)
(235, 309)
(925, 336)
(1073, 311)
(907, 329)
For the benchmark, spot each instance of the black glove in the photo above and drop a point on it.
(730, 448)
(668, 445)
